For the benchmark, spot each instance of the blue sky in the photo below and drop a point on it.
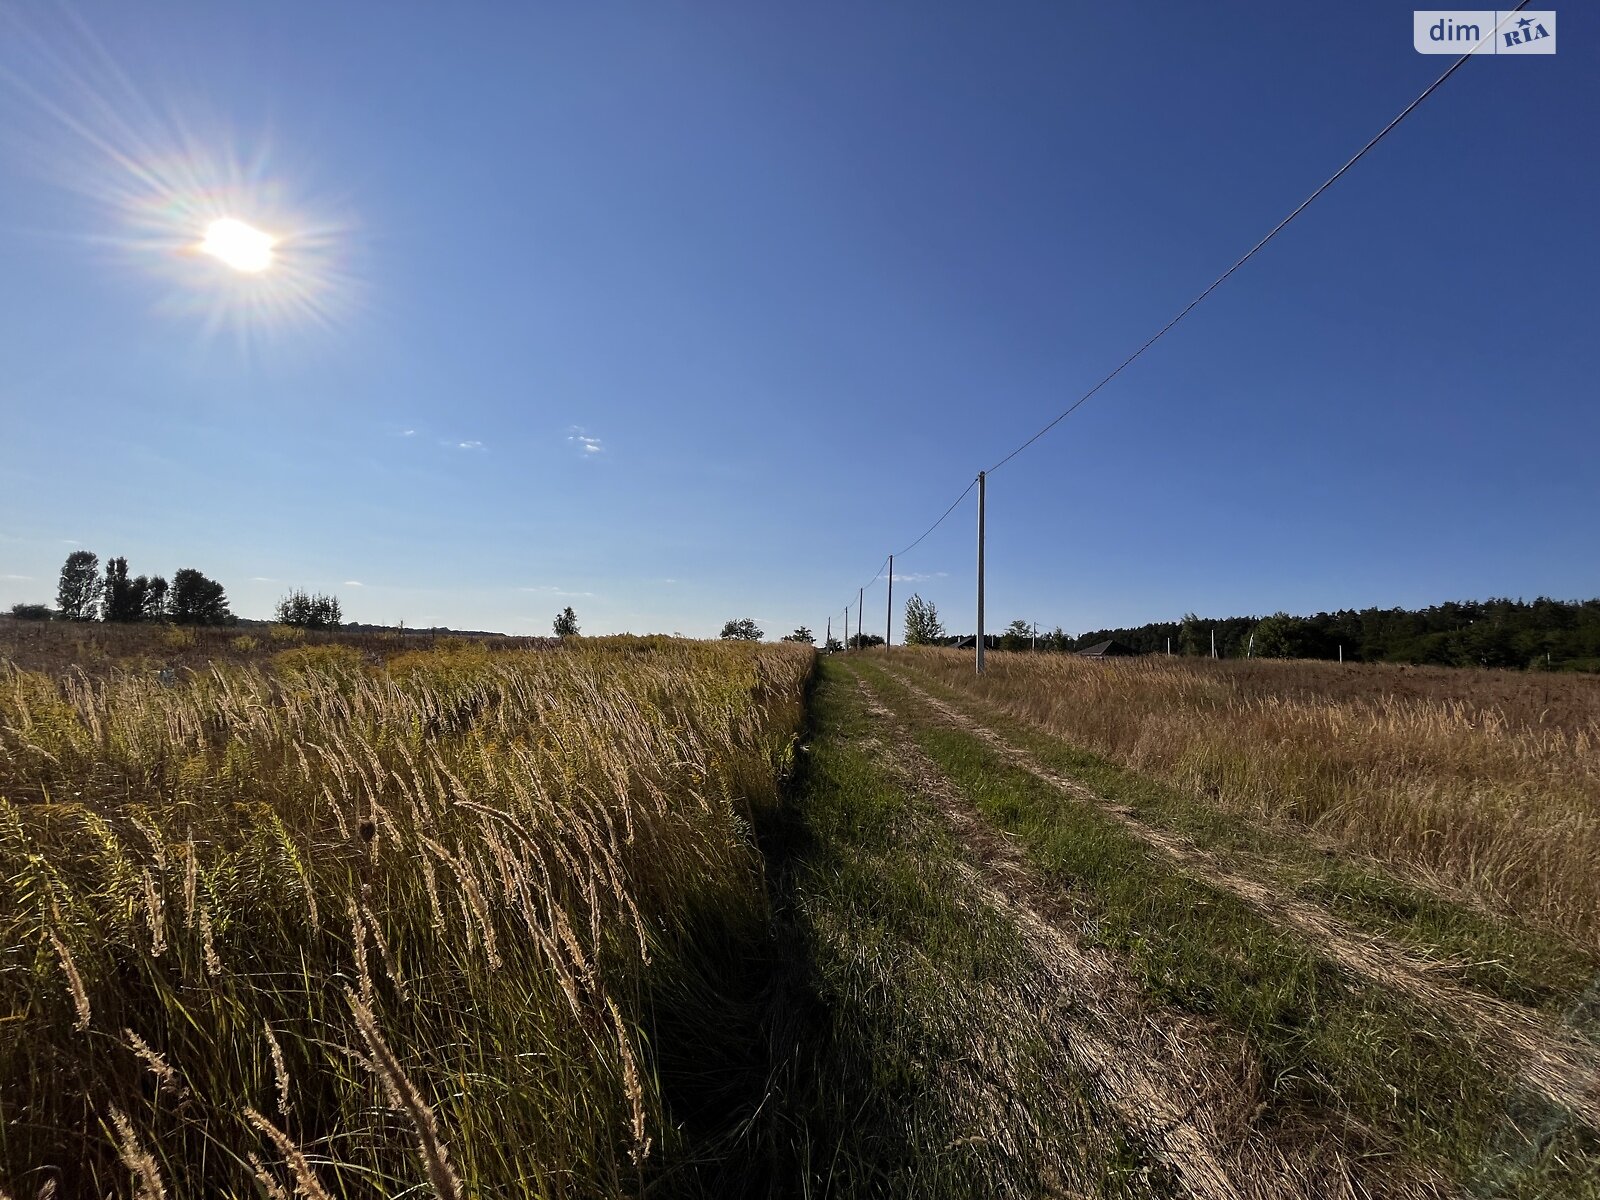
(796, 273)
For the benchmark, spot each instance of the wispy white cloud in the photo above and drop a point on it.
(19, 578)
(920, 577)
(71, 542)
(467, 445)
(408, 433)
(587, 446)
(262, 579)
(352, 583)
(548, 590)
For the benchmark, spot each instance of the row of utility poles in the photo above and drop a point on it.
(888, 617)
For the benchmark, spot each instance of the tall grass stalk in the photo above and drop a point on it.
(499, 854)
(1480, 783)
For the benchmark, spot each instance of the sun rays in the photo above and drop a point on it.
(226, 231)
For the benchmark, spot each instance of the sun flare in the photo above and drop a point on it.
(242, 247)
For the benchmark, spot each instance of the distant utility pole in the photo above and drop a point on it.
(1034, 647)
(847, 627)
(828, 637)
(860, 612)
(1213, 641)
(1169, 647)
(981, 486)
(888, 612)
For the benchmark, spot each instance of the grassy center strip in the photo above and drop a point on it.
(924, 1061)
(1508, 959)
(1339, 1060)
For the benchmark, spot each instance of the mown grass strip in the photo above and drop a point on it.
(1339, 1059)
(924, 1064)
(1498, 956)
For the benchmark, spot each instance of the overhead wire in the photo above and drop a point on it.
(1251, 253)
(1389, 128)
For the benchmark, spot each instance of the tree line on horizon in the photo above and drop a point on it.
(1542, 634)
(84, 593)
(1538, 634)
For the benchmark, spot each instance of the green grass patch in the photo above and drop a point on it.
(1340, 1059)
(1499, 956)
(923, 1066)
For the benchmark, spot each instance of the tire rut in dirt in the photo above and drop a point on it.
(1163, 1075)
(1554, 1062)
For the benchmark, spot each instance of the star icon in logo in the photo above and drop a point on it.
(1525, 22)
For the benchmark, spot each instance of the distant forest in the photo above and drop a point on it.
(1542, 634)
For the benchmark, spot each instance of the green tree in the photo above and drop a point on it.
(305, 611)
(79, 593)
(1275, 637)
(122, 598)
(742, 630)
(196, 600)
(922, 624)
(1193, 636)
(801, 635)
(566, 624)
(31, 612)
(1018, 636)
(155, 599)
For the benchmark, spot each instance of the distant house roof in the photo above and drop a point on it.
(1108, 649)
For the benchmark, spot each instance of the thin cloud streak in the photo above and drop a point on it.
(555, 591)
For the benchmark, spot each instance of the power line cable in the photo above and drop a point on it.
(1251, 253)
(940, 521)
(1213, 286)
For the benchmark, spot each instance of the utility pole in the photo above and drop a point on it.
(847, 627)
(1213, 641)
(1169, 647)
(860, 612)
(888, 611)
(980, 570)
(828, 637)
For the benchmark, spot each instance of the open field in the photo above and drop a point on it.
(1484, 783)
(372, 916)
(315, 923)
(1329, 1022)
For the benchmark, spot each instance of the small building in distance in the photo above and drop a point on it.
(1108, 649)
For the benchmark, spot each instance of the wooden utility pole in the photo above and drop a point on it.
(888, 611)
(980, 570)
(847, 627)
(860, 612)
(828, 637)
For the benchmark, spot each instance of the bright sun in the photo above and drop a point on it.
(241, 246)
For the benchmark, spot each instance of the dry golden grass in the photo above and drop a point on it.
(319, 924)
(1482, 783)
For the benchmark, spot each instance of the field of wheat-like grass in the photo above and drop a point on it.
(1484, 783)
(321, 924)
